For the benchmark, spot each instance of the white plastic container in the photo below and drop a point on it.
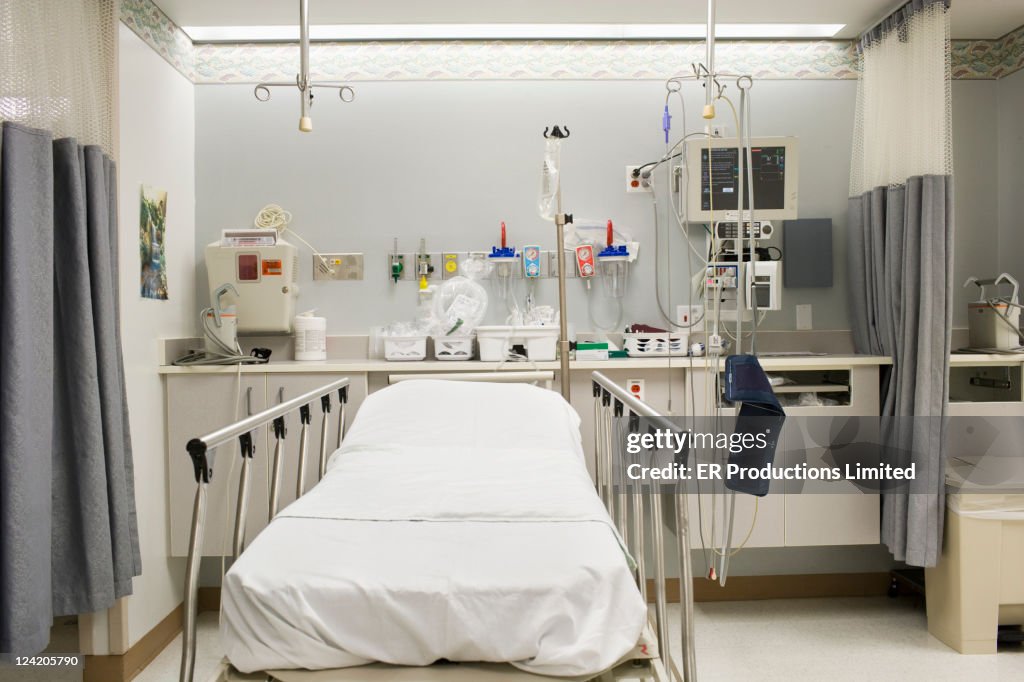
(496, 342)
(405, 348)
(453, 348)
(310, 338)
(655, 344)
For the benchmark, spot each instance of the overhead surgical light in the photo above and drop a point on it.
(302, 80)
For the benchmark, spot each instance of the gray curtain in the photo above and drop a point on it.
(901, 265)
(67, 506)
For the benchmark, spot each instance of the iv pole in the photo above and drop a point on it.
(561, 219)
(302, 79)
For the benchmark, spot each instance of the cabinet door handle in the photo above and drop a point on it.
(248, 400)
(280, 394)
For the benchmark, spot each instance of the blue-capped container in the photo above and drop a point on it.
(506, 264)
(614, 262)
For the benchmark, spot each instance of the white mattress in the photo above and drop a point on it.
(440, 532)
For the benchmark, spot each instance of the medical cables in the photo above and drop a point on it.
(224, 354)
(712, 309)
(273, 217)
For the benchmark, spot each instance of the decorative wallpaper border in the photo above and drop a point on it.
(532, 60)
(157, 30)
(989, 58)
(519, 60)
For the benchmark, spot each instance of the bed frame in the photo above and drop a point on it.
(633, 512)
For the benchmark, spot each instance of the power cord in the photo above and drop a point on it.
(225, 355)
(273, 217)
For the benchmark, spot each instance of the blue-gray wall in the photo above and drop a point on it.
(449, 160)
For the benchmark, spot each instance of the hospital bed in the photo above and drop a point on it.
(441, 543)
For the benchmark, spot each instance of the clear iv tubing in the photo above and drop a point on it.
(744, 134)
(657, 232)
(745, 117)
(590, 312)
(683, 199)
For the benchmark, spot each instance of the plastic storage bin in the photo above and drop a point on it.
(976, 585)
(453, 347)
(405, 348)
(496, 342)
(655, 344)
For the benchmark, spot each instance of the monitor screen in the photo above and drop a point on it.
(720, 178)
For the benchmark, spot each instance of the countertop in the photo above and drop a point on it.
(356, 365)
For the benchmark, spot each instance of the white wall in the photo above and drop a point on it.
(1010, 102)
(450, 160)
(157, 138)
(976, 146)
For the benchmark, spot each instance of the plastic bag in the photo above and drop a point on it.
(459, 307)
(540, 316)
(416, 328)
(476, 269)
(547, 201)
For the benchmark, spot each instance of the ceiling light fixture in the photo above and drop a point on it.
(388, 32)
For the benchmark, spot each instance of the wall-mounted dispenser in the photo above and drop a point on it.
(506, 262)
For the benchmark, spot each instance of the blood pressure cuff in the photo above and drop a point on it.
(760, 414)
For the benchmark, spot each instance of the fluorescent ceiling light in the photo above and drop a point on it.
(372, 32)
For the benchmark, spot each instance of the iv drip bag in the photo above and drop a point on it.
(547, 200)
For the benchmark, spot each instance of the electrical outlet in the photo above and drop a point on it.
(719, 130)
(636, 388)
(686, 314)
(345, 266)
(636, 183)
(803, 317)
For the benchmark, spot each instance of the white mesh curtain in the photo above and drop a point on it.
(903, 124)
(59, 59)
(68, 529)
(900, 250)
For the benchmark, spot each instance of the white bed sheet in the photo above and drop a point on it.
(427, 541)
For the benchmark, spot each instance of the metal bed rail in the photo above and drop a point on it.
(627, 504)
(200, 451)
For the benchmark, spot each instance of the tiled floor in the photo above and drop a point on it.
(832, 639)
(166, 666)
(878, 639)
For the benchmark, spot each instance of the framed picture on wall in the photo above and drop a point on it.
(152, 254)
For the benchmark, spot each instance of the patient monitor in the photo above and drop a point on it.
(713, 168)
(263, 269)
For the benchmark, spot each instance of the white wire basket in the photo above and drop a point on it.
(655, 344)
(405, 348)
(451, 348)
